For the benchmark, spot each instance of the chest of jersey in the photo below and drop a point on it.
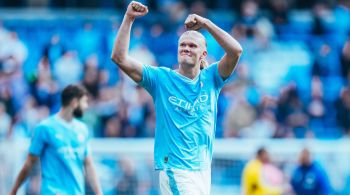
(67, 142)
(188, 98)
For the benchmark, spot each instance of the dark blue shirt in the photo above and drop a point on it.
(310, 180)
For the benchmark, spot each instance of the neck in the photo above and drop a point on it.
(66, 114)
(189, 71)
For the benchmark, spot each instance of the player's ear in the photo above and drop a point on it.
(74, 103)
(204, 54)
(203, 61)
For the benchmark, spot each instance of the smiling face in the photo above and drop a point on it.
(191, 49)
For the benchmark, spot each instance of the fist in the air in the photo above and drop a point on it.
(195, 22)
(136, 9)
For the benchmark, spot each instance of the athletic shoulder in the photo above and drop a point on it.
(157, 68)
(45, 127)
(163, 68)
(46, 123)
(211, 68)
(156, 72)
(81, 126)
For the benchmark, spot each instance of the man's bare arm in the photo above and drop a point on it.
(25, 171)
(91, 176)
(120, 55)
(233, 49)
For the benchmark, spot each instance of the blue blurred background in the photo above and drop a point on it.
(291, 84)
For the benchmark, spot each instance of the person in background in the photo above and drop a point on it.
(60, 142)
(260, 177)
(309, 177)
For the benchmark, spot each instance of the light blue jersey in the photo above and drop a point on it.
(186, 112)
(62, 148)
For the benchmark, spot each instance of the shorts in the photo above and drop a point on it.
(179, 182)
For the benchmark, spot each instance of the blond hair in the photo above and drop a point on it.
(193, 33)
(203, 64)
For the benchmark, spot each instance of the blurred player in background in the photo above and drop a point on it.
(260, 177)
(185, 100)
(309, 177)
(61, 144)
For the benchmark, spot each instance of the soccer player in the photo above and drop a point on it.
(185, 100)
(61, 144)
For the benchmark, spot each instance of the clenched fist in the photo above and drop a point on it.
(195, 22)
(136, 9)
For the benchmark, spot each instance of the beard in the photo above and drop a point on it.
(78, 112)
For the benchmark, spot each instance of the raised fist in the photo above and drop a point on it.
(194, 22)
(136, 9)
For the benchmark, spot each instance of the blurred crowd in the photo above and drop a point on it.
(292, 80)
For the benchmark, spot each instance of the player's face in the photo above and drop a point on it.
(190, 50)
(82, 106)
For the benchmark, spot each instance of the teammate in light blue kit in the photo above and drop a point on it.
(61, 144)
(185, 101)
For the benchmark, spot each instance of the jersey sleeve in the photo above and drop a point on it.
(87, 147)
(87, 151)
(213, 69)
(149, 78)
(38, 141)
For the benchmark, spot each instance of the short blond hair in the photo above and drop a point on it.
(193, 33)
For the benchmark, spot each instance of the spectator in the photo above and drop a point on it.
(3, 39)
(309, 177)
(249, 16)
(87, 41)
(68, 69)
(14, 54)
(279, 12)
(320, 14)
(142, 53)
(44, 88)
(30, 115)
(54, 49)
(341, 25)
(343, 110)
(345, 60)
(257, 180)
(6, 97)
(327, 63)
(5, 122)
(113, 127)
(128, 184)
(233, 122)
(316, 108)
(264, 126)
(291, 112)
(91, 76)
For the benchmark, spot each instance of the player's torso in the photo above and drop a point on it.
(63, 156)
(185, 116)
(186, 101)
(66, 141)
